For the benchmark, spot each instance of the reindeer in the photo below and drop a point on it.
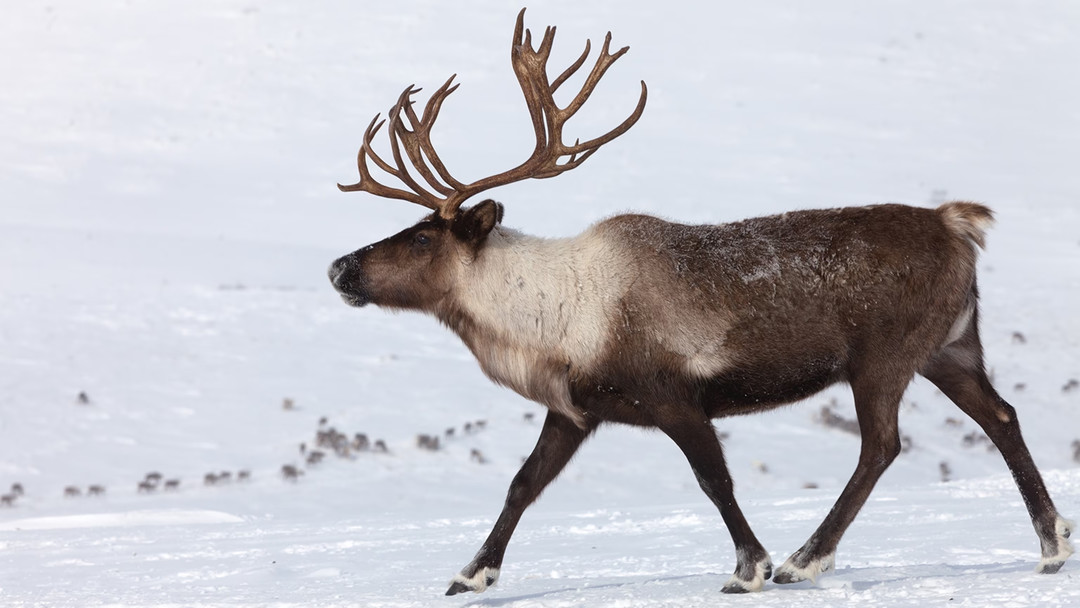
(427, 442)
(291, 472)
(651, 323)
(360, 443)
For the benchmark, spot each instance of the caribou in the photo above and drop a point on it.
(647, 322)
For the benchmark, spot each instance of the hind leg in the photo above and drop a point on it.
(958, 371)
(877, 401)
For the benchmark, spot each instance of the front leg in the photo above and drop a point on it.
(559, 440)
(693, 432)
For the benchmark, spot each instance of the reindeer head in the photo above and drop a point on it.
(416, 268)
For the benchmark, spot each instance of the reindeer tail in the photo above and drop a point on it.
(967, 220)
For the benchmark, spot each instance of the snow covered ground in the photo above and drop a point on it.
(168, 211)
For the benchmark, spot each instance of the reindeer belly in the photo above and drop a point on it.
(750, 389)
(610, 394)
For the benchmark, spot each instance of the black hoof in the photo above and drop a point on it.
(457, 588)
(734, 588)
(786, 578)
(1051, 568)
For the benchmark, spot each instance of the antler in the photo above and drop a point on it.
(446, 193)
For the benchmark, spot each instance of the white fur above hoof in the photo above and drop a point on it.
(477, 583)
(762, 572)
(790, 573)
(1050, 564)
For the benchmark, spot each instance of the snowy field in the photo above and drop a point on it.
(168, 210)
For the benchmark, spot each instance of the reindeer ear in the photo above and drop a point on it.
(477, 221)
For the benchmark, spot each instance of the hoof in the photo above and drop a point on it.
(456, 588)
(1050, 564)
(737, 584)
(786, 578)
(791, 573)
(1050, 567)
(477, 583)
(734, 586)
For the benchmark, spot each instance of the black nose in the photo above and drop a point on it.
(337, 270)
(347, 277)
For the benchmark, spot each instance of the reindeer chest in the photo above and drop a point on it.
(534, 373)
(529, 329)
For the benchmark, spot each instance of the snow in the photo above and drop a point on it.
(169, 211)
(123, 519)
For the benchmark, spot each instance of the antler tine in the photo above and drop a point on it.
(358, 186)
(412, 133)
(568, 72)
(545, 45)
(521, 53)
(623, 127)
(603, 62)
(366, 150)
(413, 140)
(404, 106)
(408, 137)
(417, 142)
(530, 67)
(519, 28)
(367, 183)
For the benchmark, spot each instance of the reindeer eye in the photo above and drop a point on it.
(422, 239)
